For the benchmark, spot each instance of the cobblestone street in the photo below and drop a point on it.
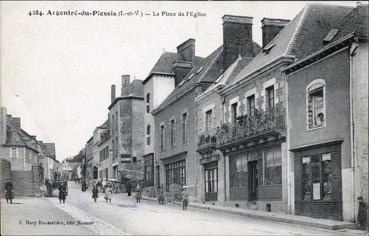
(123, 216)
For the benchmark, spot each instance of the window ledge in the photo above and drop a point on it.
(316, 128)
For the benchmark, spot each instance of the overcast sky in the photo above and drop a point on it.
(56, 71)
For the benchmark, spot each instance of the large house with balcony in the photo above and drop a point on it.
(175, 118)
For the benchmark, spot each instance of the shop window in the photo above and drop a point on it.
(272, 167)
(317, 177)
(238, 171)
(316, 116)
(175, 173)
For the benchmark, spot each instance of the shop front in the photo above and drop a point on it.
(318, 181)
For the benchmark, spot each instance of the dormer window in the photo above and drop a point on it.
(330, 36)
(268, 47)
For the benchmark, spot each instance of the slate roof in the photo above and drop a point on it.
(355, 21)
(206, 71)
(300, 37)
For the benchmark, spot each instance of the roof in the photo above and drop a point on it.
(105, 125)
(300, 37)
(164, 65)
(207, 71)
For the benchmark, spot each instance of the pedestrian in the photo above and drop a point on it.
(362, 216)
(84, 185)
(161, 195)
(138, 193)
(184, 194)
(108, 191)
(129, 187)
(62, 192)
(9, 191)
(95, 192)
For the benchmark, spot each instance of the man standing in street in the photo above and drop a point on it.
(9, 192)
(129, 187)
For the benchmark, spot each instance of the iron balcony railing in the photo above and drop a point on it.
(245, 127)
(206, 141)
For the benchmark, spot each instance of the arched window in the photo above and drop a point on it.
(148, 137)
(315, 104)
(148, 102)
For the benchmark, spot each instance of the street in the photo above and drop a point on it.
(81, 215)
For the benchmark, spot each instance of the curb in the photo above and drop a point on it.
(270, 218)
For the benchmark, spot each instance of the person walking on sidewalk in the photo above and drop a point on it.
(9, 191)
(184, 194)
(161, 195)
(138, 193)
(62, 192)
(108, 192)
(129, 187)
(95, 192)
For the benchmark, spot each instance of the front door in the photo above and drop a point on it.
(211, 184)
(252, 179)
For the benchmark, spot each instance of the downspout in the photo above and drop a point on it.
(224, 156)
(353, 48)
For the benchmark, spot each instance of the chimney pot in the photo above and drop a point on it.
(112, 92)
(126, 81)
(271, 27)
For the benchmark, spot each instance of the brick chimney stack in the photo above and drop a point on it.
(15, 122)
(237, 38)
(126, 81)
(187, 50)
(271, 27)
(112, 92)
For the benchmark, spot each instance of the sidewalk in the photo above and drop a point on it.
(272, 216)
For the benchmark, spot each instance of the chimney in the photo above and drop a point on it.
(112, 92)
(3, 129)
(187, 50)
(181, 69)
(271, 27)
(126, 81)
(237, 38)
(15, 122)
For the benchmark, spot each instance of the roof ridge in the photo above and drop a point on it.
(298, 29)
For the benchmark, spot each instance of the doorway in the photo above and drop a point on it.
(252, 168)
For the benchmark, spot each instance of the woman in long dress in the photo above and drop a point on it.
(108, 192)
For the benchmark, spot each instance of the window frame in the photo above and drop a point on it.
(309, 91)
(148, 98)
(172, 132)
(208, 121)
(268, 91)
(162, 137)
(148, 135)
(249, 107)
(184, 126)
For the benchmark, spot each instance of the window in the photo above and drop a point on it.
(172, 133)
(211, 180)
(208, 120)
(175, 173)
(162, 129)
(184, 127)
(251, 105)
(272, 167)
(148, 102)
(13, 153)
(269, 96)
(234, 112)
(148, 130)
(317, 177)
(316, 104)
(238, 171)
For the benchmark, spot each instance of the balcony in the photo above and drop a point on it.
(250, 130)
(206, 143)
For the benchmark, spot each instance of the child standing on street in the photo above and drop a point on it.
(184, 194)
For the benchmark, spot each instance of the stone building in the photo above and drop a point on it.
(22, 151)
(126, 131)
(328, 121)
(175, 118)
(167, 71)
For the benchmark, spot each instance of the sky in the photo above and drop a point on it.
(56, 71)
